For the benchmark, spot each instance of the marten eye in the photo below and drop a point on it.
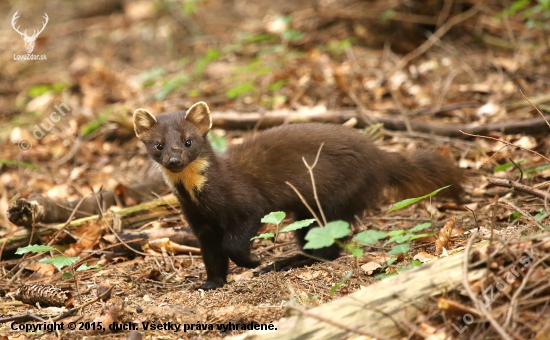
(188, 143)
(159, 146)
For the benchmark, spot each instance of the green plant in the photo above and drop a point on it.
(332, 232)
(59, 261)
(536, 15)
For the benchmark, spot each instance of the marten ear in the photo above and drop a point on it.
(143, 122)
(199, 114)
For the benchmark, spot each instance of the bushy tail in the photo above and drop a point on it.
(422, 172)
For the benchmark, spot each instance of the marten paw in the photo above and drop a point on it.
(213, 284)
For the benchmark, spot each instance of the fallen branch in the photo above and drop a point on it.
(519, 187)
(382, 308)
(128, 218)
(249, 121)
(38, 209)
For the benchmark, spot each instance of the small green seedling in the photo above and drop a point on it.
(59, 262)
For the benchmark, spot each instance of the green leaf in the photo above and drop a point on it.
(514, 216)
(339, 284)
(409, 201)
(171, 85)
(38, 90)
(396, 232)
(263, 236)
(297, 225)
(19, 163)
(292, 35)
(218, 143)
(274, 218)
(60, 262)
(85, 266)
(321, 237)
(67, 275)
(277, 85)
(150, 76)
(416, 263)
(211, 55)
(338, 228)
(540, 216)
(369, 237)
(400, 249)
(538, 168)
(385, 276)
(240, 89)
(420, 227)
(357, 252)
(35, 248)
(398, 239)
(93, 126)
(504, 167)
(391, 261)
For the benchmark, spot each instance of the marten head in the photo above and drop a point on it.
(176, 139)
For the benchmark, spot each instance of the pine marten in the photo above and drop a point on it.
(225, 195)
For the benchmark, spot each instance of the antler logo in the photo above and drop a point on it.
(29, 40)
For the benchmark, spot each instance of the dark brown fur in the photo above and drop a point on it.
(224, 196)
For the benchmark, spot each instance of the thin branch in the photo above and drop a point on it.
(310, 169)
(305, 203)
(518, 186)
(468, 288)
(507, 143)
(71, 217)
(76, 309)
(524, 213)
(519, 168)
(540, 113)
(438, 34)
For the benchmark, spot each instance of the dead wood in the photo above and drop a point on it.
(137, 239)
(518, 186)
(39, 209)
(248, 121)
(127, 218)
(390, 307)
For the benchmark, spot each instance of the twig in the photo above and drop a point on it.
(305, 312)
(76, 309)
(71, 217)
(519, 168)
(22, 318)
(403, 112)
(468, 288)
(437, 35)
(514, 300)
(310, 169)
(518, 186)
(305, 203)
(507, 143)
(540, 113)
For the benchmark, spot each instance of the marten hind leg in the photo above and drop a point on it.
(328, 253)
(237, 245)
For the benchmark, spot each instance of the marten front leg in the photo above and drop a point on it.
(214, 257)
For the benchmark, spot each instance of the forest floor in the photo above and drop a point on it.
(107, 58)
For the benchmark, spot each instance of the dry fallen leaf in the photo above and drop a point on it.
(370, 267)
(444, 237)
(241, 277)
(423, 257)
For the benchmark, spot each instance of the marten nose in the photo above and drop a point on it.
(175, 161)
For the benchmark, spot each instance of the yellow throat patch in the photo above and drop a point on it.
(191, 177)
